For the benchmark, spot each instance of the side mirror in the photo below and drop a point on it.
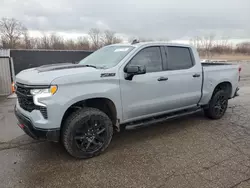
(134, 70)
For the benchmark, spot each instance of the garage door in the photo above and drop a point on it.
(5, 76)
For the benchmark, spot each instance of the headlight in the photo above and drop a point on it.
(48, 91)
(42, 93)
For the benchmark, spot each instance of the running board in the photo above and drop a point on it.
(162, 118)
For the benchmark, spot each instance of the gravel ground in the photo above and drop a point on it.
(188, 152)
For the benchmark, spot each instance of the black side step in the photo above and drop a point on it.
(162, 118)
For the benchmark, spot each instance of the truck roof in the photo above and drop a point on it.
(140, 44)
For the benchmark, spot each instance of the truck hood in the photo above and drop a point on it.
(44, 75)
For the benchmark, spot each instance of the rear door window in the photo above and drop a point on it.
(178, 58)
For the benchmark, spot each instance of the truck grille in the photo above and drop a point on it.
(25, 100)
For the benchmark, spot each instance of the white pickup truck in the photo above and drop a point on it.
(122, 85)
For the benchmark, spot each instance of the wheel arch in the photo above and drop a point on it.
(104, 104)
(225, 85)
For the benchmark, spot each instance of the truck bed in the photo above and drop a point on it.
(214, 73)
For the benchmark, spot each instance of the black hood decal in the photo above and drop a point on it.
(60, 66)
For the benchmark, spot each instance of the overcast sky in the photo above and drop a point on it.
(171, 19)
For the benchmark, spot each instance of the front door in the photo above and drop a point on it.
(145, 94)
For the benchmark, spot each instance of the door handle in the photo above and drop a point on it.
(196, 75)
(162, 79)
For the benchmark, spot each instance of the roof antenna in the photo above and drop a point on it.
(135, 41)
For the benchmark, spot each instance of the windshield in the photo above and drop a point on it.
(106, 57)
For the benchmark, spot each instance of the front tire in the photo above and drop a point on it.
(217, 105)
(87, 133)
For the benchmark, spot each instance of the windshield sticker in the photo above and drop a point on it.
(121, 50)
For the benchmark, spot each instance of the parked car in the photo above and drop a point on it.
(119, 86)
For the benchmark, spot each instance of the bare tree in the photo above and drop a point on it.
(207, 46)
(96, 38)
(243, 48)
(70, 44)
(82, 43)
(28, 42)
(204, 45)
(43, 42)
(196, 42)
(222, 46)
(11, 31)
(207, 43)
(109, 37)
(56, 42)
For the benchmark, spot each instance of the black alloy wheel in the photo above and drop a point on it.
(217, 105)
(91, 135)
(220, 105)
(87, 133)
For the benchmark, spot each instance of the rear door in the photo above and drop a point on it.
(184, 78)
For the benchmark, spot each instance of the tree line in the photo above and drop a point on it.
(14, 35)
(207, 46)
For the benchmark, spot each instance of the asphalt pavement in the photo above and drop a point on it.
(188, 152)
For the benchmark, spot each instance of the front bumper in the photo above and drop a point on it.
(36, 133)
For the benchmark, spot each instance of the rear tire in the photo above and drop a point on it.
(217, 105)
(87, 133)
